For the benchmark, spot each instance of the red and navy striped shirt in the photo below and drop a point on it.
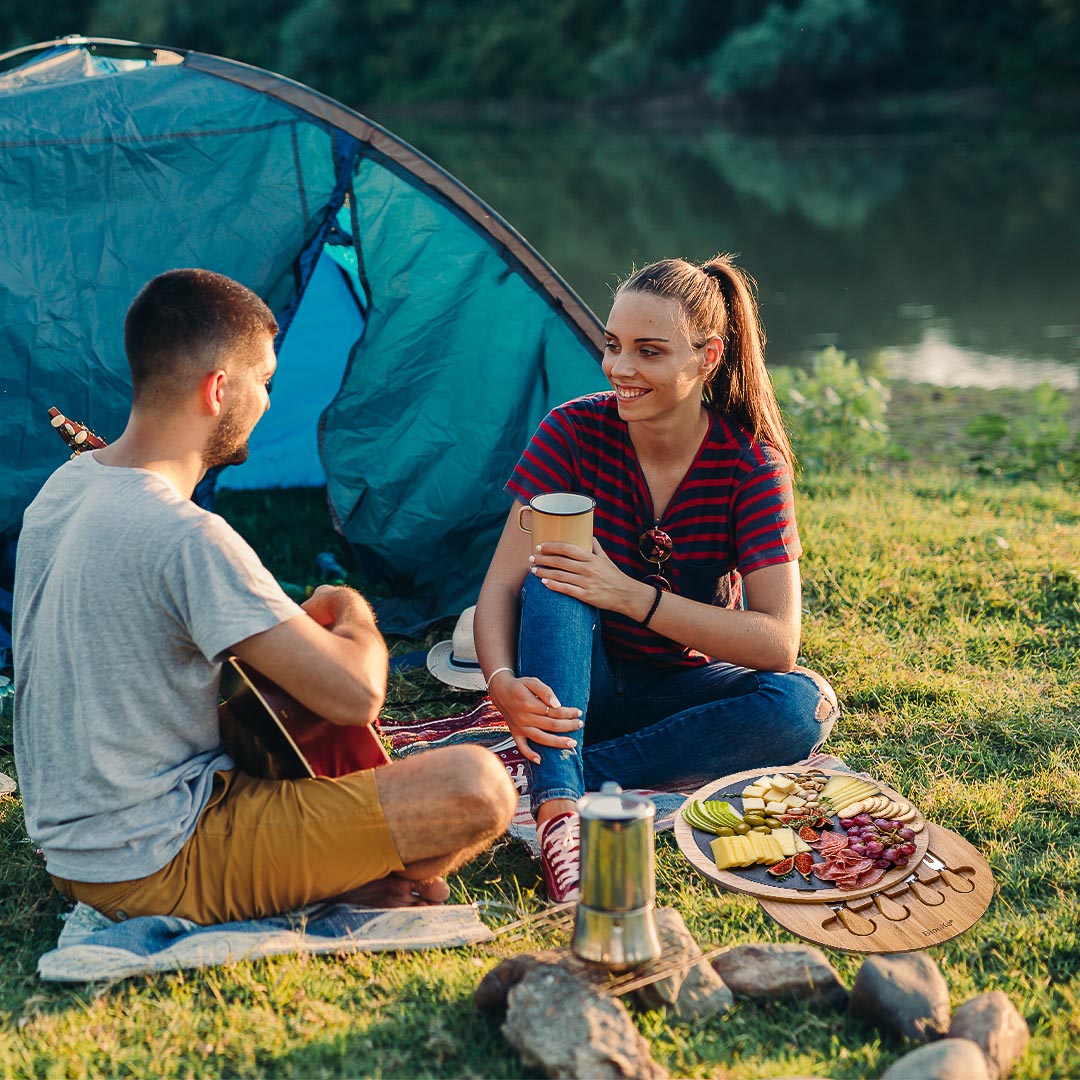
(732, 511)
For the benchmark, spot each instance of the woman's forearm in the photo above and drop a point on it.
(764, 637)
(495, 626)
(754, 639)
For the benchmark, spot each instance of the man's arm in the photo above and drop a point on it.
(332, 659)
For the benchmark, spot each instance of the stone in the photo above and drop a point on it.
(490, 995)
(696, 992)
(765, 971)
(993, 1022)
(946, 1059)
(563, 1025)
(904, 993)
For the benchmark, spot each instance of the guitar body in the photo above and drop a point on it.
(270, 734)
(266, 732)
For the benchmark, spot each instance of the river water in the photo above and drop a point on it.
(951, 256)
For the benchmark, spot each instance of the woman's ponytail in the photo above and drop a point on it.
(741, 386)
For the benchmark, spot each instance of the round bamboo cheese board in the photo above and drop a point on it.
(929, 906)
(695, 844)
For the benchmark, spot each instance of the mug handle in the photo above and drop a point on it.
(521, 511)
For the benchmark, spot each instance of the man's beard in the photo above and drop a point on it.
(227, 446)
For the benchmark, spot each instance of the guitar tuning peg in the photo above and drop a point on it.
(81, 436)
(59, 420)
(68, 428)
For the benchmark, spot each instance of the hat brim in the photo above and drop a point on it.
(440, 664)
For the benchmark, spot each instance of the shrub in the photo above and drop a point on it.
(1029, 447)
(835, 413)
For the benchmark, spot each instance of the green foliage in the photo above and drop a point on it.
(435, 50)
(943, 609)
(1031, 446)
(818, 43)
(835, 412)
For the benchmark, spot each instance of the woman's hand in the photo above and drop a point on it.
(589, 576)
(532, 712)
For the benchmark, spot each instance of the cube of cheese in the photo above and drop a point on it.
(753, 790)
(774, 808)
(783, 783)
(753, 804)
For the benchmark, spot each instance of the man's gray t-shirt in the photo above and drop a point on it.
(127, 599)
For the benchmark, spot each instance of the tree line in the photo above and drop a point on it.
(778, 53)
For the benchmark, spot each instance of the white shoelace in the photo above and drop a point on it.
(562, 851)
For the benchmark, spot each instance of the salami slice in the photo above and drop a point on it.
(870, 877)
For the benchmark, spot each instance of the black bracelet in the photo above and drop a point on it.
(655, 604)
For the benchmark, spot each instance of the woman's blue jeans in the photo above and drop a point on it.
(647, 726)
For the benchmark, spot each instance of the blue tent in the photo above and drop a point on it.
(422, 338)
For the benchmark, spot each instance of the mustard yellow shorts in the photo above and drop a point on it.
(261, 847)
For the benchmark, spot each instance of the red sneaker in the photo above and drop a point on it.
(514, 763)
(560, 856)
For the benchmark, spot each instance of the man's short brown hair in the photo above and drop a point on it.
(187, 323)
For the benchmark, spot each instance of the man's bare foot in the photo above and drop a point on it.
(394, 890)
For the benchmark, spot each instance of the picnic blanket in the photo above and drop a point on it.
(92, 948)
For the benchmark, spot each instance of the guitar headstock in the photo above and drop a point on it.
(76, 435)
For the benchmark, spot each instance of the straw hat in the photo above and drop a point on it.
(454, 662)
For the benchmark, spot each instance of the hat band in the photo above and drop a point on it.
(455, 662)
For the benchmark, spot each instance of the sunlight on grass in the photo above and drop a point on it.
(945, 609)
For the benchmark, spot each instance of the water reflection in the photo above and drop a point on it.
(956, 255)
(937, 360)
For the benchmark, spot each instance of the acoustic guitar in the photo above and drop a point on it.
(267, 732)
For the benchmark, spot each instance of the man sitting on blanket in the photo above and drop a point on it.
(128, 597)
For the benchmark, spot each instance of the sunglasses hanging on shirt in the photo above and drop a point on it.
(655, 546)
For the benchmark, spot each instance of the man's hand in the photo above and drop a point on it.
(331, 659)
(338, 605)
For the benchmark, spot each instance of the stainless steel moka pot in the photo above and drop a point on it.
(614, 924)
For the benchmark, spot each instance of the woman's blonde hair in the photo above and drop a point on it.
(717, 300)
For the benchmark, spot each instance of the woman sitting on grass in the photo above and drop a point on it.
(676, 636)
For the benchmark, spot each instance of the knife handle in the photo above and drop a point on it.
(926, 895)
(854, 923)
(956, 882)
(890, 908)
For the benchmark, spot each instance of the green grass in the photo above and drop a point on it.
(946, 610)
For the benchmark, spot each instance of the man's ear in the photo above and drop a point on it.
(212, 391)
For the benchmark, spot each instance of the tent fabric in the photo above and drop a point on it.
(422, 338)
